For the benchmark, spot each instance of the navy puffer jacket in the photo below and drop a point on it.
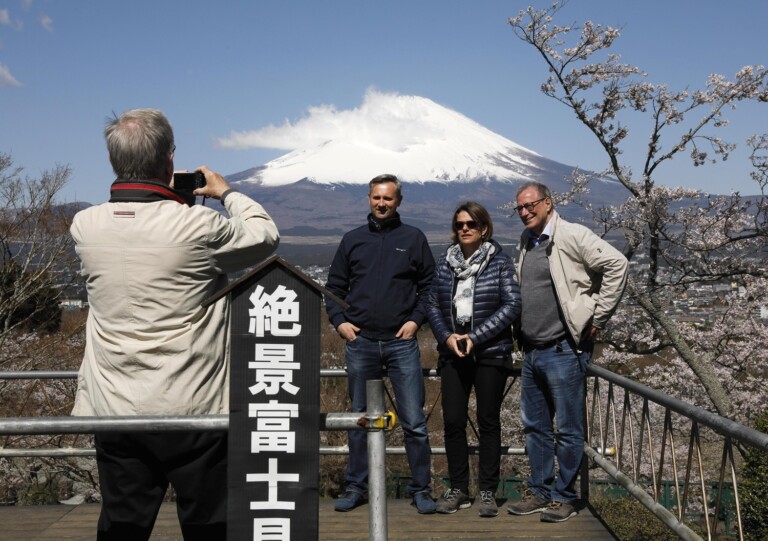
(496, 305)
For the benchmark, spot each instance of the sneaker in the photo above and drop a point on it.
(487, 507)
(453, 500)
(424, 503)
(528, 505)
(558, 512)
(348, 501)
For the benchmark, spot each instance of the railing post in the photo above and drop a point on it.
(377, 484)
(584, 477)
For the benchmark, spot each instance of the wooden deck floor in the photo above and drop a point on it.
(67, 523)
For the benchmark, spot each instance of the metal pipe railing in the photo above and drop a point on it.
(722, 425)
(60, 452)
(72, 374)
(375, 420)
(148, 423)
(642, 412)
(377, 458)
(618, 424)
(671, 521)
(89, 425)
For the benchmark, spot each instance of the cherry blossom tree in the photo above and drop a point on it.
(678, 240)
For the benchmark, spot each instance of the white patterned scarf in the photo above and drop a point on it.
(466, 272)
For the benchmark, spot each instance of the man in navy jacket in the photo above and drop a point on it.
(383, 271)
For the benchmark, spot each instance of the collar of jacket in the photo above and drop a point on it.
(553, 221)
(147, 191)
(383, 225)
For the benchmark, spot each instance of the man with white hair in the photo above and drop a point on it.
(149, 258)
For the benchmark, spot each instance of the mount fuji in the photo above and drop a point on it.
(410, 136)
(443, 158)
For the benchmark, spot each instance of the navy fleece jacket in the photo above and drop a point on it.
(383, 271)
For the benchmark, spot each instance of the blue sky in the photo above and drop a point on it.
(219, 67)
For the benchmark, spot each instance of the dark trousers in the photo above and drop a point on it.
(135, 470)
(458, 376)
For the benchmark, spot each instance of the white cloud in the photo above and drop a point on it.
(6, 79)
(7, 20)
(410, 136)
(47, 23)
(389, 121)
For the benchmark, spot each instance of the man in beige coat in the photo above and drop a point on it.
(149, 258)
(571, 282)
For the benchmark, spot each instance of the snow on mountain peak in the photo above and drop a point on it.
(409, 136)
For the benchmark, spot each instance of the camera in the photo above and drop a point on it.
(188, 182)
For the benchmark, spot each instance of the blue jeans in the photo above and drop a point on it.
(552, 388)
(365, 359)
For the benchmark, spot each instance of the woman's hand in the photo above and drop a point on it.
(460, 344)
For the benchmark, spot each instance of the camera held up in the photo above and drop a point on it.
(188, 182)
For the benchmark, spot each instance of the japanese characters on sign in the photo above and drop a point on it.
(274, 418)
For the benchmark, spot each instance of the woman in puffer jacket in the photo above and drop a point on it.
(474, 299)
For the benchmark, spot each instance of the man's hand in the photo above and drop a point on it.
(408, 331)
(589, 334)
(347, 331)
(215, 185)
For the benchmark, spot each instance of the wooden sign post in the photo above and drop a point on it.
(274, 422)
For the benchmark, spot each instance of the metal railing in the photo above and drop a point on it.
(375, 420)
(199, 422)
(651, 432)
(637, 435)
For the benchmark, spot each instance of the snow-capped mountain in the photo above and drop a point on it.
(442, 157)
(409, 136)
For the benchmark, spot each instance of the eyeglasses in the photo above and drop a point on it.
(173, 149)
(471, 224)
(529, 206)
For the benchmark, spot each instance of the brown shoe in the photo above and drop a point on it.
(528, 505)
(453, 500)
(487, 507)
(558, 512)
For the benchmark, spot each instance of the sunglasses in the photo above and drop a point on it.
(529, 206)
(471, 224)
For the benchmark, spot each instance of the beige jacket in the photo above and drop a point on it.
(588, 273)
(150, 347)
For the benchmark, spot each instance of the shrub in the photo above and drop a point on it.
(629, 520)
(754, 488)
(27, 300)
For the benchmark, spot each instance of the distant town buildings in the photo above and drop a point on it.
(700, 305)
